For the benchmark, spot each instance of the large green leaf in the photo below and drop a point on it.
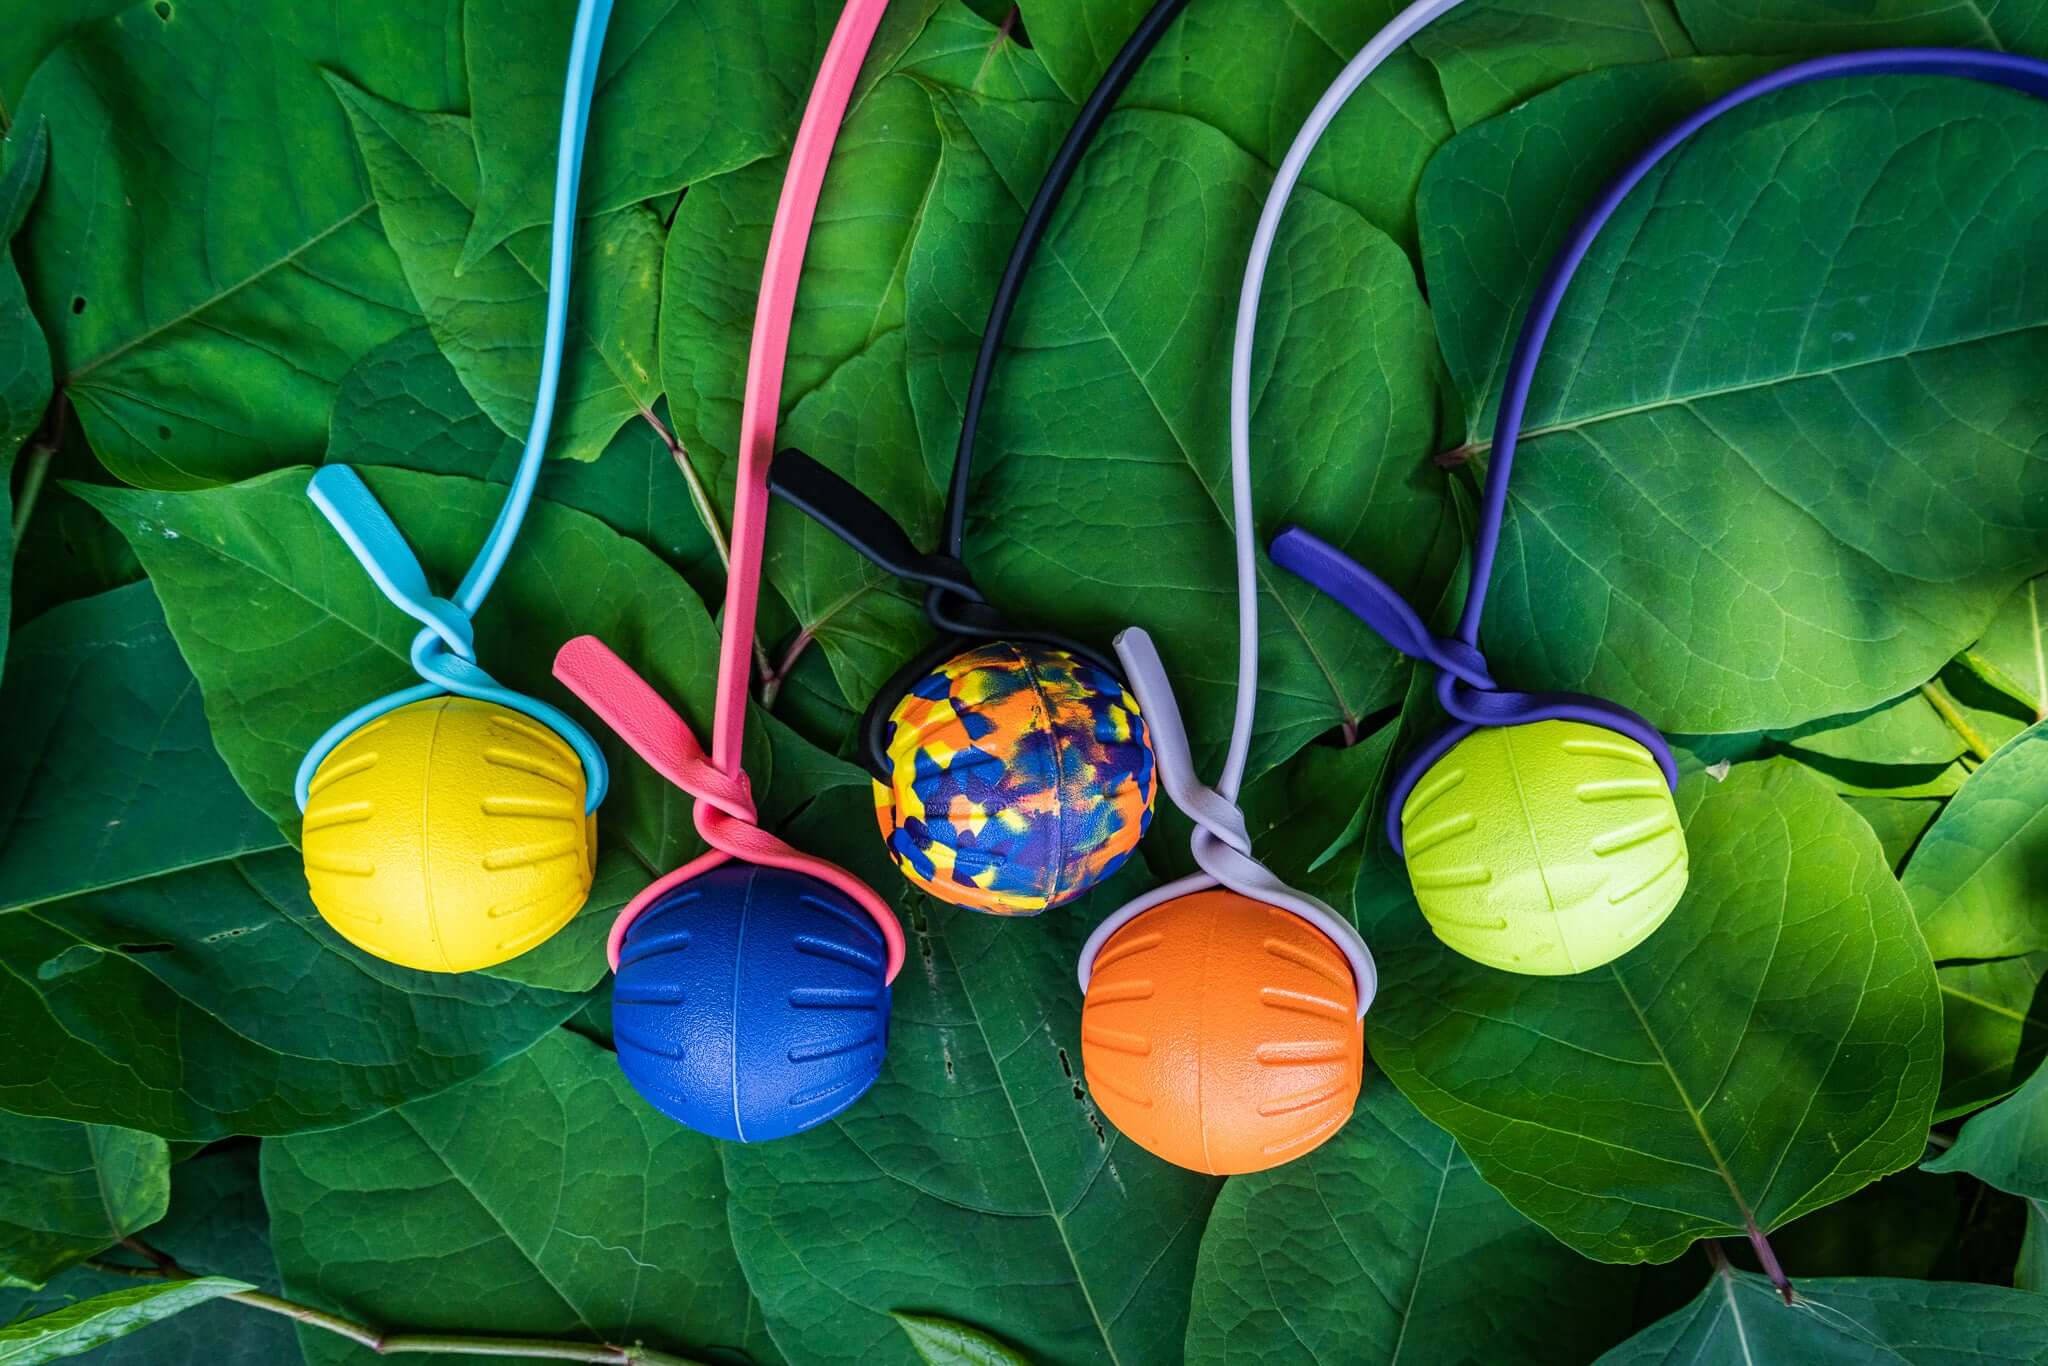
(1102, 485)
(1428, 1263)
(24, 355)
(543, 1199)
(216, 1224)
(285, 632)
(1494, 55)
(745, 68)
(976, 1181)
(34, 31)
(1774, 26)
(2012, 656)
(2007, 1145)
(1739, 1320)
(490, 316)
(1774, 1047)
(70, 1190)
(114, 778)
(404, 405)
(104, 1318)
(1755, 402)
(1977, 875)
(216, 1001)
(199, 138)
(1994, 1030)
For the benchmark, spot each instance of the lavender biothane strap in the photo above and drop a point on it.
(1465, 686)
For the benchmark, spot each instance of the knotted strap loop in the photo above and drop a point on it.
(1222, 845)
(724, 812)
(443, 653)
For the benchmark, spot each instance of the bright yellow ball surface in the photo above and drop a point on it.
(1548, 848)
(449, 835)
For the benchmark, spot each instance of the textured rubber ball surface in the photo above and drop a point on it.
(1019, 777)
(449, 835)
(1222, 1034)
(1547, 848)
(751, 1003)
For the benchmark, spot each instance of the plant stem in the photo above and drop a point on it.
(772, 681)
(1768, 1259)
(49, 438)
(164, 1267)
(1937, 697)
(700, 498)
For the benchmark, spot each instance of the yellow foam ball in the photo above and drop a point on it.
(1547, 848)
(449, 835)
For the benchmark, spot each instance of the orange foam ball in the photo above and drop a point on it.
(1222, 1034)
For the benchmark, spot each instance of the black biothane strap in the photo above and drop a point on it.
(952, 602)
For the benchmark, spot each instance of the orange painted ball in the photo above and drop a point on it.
(1222, 1034)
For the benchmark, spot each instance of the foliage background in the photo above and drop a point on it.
(1786, 492)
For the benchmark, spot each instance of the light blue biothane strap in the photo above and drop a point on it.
(444, 652)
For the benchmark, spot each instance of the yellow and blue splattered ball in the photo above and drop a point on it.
(1019, 777)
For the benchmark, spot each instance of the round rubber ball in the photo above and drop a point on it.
(1019, 777)
(1222, 1034)
(449, 835)
(751, 1003)
(1547, 849)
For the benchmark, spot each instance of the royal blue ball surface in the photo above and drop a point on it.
(751, 1003)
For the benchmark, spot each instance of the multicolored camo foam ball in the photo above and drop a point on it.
(1019, 777)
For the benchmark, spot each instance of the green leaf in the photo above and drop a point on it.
(216, 1222)
(1898, 822)
(1718, 517)
(1493, 56)
(975, 1181)
(1445, 1269)
(198, 136)
(1905, 730)
(2006, 1146)
(941, 1342)
(69, 1190)
(2012, 655)
(746, 69)
(1994, 1028)
(115, 778)
(1764, 26)
(34, 32)
(2031, 1272)
(285, 632)
(100, 1320)
(403, 405)
(489, 318)
(1103, 481)
(24, 355)
(1976, 877)
(542, 1199)
(1771, 1049)
(1739, 1318)
(215, 1001)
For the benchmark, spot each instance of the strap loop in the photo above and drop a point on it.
(723, 813)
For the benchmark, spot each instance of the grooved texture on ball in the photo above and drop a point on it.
(1547, 848)
(1019, 777)
(1222, 1034)
(752, 1003)
(449, 835)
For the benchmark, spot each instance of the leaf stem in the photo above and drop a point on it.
(1768, 1259)
(1937, 697)
(700, 498)
(772, 681)
(42, 450)
(163, 1267)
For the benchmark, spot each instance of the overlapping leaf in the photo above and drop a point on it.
(1719, 516)
(1771, 26)
(24, 356)
(544, 1198)
(1494, 55)
(1975, 878)
(69, 1190)
(105, 1318)
(1994, 1030)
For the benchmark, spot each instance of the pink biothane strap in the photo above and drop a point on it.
(724, 811)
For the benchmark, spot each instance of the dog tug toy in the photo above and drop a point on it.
(1539, 828)
(1012, 770)
(752, 996)
(1221, 1025)
(450, 825)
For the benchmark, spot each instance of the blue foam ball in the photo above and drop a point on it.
(752, 1003)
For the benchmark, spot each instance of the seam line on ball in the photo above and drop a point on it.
(732, 1005)
(1536, 844)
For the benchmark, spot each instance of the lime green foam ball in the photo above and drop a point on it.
(1547, 848)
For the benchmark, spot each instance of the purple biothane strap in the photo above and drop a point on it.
(1465, 686)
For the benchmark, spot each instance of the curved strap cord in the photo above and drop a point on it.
(1220, 847)
(443, 653)
(724, 813)
(952, 603)
(1464, 686)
